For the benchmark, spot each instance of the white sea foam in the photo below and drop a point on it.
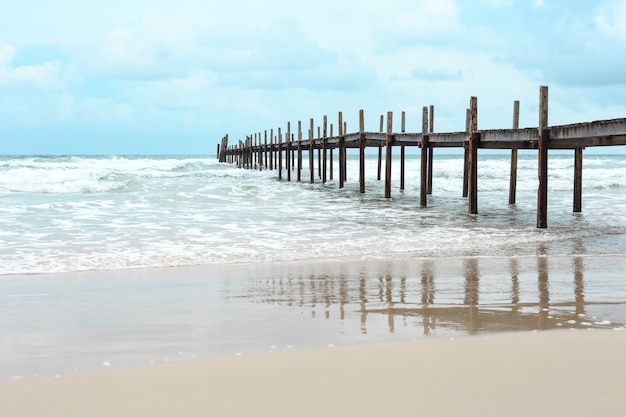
(83, 213)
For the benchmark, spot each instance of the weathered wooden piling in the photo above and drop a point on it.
(578, 180)
(542, 159)
(324, 148)
(474, 137)
(402, 153)
(424, 159)
(288, 151)
(299, 168)
(513, 175)
(342, 156)
(389, 144)
(431, 127)
(361, 151)
(311, 163)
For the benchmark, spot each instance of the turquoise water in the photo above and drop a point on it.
(73, 213)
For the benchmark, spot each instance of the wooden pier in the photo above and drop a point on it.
(263, 151)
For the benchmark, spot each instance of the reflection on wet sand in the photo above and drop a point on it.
(453, 294)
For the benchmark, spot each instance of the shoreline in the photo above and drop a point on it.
(73, 323)
(572, 373)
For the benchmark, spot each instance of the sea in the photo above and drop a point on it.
(116, 261)
(78, 213)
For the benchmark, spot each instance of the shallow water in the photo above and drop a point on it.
(81, 322)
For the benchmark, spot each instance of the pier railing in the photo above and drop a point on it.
(262, 151)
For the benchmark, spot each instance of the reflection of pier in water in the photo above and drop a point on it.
(433, 295)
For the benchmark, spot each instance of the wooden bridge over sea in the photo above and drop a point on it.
(256, 153)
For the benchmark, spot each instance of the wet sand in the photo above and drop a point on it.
(109, 320)
(555, 373)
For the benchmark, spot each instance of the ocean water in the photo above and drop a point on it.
(271, 265)
(82, 213)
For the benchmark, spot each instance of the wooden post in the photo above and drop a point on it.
(380, 149)
(271, 149)
(330, 152)
(345, 155)
(299, 150)
(473, 157)
(424, 159)
(311, 155)
(280, 155)
(255, 153)
(319, 154)
(265, 149)
(578, 180)
(389, 143)
(430, 150)
(342, 165)
(402, 129)
(466, 154)
(513, 176)
(542, 192)
(361, 151)
(288, 151)
(260, 153)
(324, 142)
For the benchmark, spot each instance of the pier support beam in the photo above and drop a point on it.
(299, 172)
(474, 138)
(361, 151)
(578, 180)
(311, 156)
(542, 192)
(324, 146)
(513, 176)
(280, 155)
(431, 126)
(402, 129)
(389, 143)
(288, 157)
(342, 165)
(331, 150)
(424, 159)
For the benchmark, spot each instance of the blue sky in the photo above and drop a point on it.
(156, 77)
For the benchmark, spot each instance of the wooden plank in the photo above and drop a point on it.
(543, 132)
(389, 143)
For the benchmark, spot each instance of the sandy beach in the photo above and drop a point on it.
(445, 337)
(555, 373)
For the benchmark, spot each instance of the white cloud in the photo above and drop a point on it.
(611, 19)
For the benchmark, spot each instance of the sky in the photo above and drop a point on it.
(173, 77)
